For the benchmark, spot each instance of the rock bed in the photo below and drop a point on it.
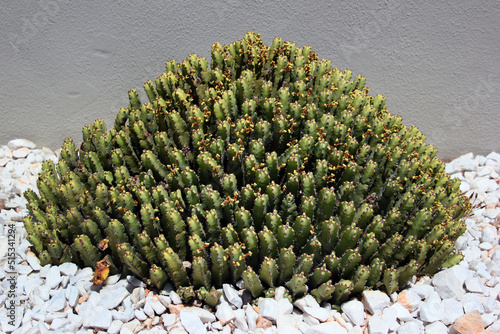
(61, 299)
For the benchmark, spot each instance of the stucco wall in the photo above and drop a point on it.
(64, 63)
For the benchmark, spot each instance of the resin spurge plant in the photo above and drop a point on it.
(269, 166)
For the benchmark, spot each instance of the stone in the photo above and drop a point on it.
(327, 328)
(155, 304)
(470, 323)
(59, 323)
(168, 319)
(489, 234)
(192, 322)
(449, 285)
(53, 277)
(474, 284)
(72, 295)
(377, 325)
(100, 318)
(115, 327)
(224, 313)
(452, 310)
(430, 312)
(135, 281)
(436, 328)
(422, 290)
(174, 297)
(251, 316)
(33, 261)
(18, 143)
(494, 156)
(390, 317)
(20, 153)
(320, 313)
(472, 302)
(354, 310)
(409, 300)
(284, 306)
(308, 300)
(112, 296)
(409, 328)
(240, 320)
(140, 315)
(232, 295)
(375, 301)
(148, 310)
(268, 308)
(57, 302)
(130, 326)
(465, 162)
(263, 323)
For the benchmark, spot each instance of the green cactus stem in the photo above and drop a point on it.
(264, 165)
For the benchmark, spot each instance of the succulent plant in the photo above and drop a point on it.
(269, 167)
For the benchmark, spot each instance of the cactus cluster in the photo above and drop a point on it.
(269, 167)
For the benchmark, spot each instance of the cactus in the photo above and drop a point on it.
(270, 167)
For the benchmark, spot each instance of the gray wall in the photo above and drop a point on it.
(64, 63)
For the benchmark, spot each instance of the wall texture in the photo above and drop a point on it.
(64, 63)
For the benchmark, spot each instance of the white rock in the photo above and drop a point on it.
(268, 308)
(452, 310)
(232, 296)
(490, 304)
(174, 297)
(284, 306)
(288, 329)
(124, 316)
(355, 312)
(484, 184)
(449, 285)
(308, 300)
(57, 302)
(115, 327)
(224, 313)
(100, 318)
(422, 290)
(390, 318)
(59, 323)
(140, 315)
(72, 295)
(430, 312)
(409, 328)
(402, 313)
(494, 156)
(465, 162)
(192, 322)
(436, 328)
(135, 281)
(18, 143)
(319, 313)
(489, 234)
(375, 301)
(33, 261)
(491, 213)
(251, 317)
(474, 284)
(155, 304)
(112, 296)
(20, 153)
(240, 320)
(377, 325)
(327, 328)
(472, 302)
(149, 310)
(130, 326)
(112, 279)
(53, 277)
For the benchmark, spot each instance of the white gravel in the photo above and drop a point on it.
(61, 299)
